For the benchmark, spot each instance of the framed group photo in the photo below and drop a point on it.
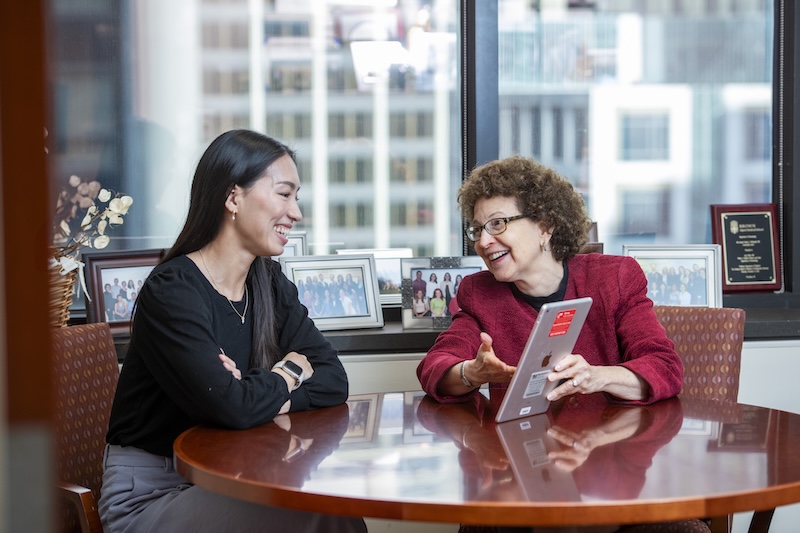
(680, 275)
(430, 288)
(115, 279)
(340, 292)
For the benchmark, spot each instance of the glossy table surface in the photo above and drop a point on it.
(587, 461)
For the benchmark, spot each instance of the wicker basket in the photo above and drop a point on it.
(61, 289)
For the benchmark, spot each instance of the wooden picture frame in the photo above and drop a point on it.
(116, 269)
(665, 264)
(426, 267)
(750, 241)
(352, 277)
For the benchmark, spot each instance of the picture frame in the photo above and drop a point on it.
(352, 277)
(750, 243)
(387, 269)
(413, 430)
(107, 268)
(666, 267)
(426, 267)
(364, 409)
(750, 434)
(297, 245)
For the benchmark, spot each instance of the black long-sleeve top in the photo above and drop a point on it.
(172, 378)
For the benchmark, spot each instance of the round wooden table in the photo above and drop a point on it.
(403, 456)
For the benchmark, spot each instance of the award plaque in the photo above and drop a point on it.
(748, 235)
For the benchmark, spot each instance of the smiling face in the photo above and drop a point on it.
(266, 212)
(515, 255)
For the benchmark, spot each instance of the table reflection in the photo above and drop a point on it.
(581, 446)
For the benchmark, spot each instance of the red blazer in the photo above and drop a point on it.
(621, 328)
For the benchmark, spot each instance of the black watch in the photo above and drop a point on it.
(291, 368)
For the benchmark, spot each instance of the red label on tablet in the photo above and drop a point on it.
(561, 323)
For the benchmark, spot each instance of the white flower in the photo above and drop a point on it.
(96, 207)
(101, 241)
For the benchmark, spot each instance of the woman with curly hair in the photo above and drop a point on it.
(528, 223)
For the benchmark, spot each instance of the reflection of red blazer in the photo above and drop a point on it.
(613, 471)
(452, 421)
(618, 470)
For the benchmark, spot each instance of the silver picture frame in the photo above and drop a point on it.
(675, 271)
(340, 292)
(297, 245)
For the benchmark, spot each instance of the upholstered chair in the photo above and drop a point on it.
(85, 370)
(709, 341)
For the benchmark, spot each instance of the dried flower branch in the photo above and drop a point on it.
(97, 208)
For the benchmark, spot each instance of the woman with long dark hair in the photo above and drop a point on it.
(218, 337)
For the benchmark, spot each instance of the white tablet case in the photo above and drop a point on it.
(527, 446)
(553, 336)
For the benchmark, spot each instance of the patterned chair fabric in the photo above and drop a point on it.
(709, 340)
(86, 371)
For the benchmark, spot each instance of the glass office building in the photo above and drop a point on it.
(653, 109)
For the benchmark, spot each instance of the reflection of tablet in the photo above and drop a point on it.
(553, 336)
(527, 446)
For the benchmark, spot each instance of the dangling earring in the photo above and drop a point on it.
(544, 247)
(233, 217)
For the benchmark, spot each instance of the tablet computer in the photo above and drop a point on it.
(528, 446)
(553, 336)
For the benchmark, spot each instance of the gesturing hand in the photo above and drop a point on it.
(487, 367)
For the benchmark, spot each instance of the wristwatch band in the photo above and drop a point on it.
(293, 369)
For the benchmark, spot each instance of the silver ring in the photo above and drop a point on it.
(574, 382)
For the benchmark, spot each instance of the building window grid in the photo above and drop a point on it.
(645, 212)
(581, 134)
(536, 137)
(558, 133)
(644, 136)
(757, 135)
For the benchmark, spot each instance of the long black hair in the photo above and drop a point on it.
(237, 157)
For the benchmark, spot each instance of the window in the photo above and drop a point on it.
(644, 137)
(644, 215)
(558, 133)
(706, 70)
(757, 135)
(322, 77)
(674, 96)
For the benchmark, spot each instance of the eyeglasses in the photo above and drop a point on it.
(495, 226)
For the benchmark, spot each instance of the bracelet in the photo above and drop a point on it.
(464, 377)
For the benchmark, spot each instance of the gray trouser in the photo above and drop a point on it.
(143, 493)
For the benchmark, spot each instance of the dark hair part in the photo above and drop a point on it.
(541, 194)
(237, 157)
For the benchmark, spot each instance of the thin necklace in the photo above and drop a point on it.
(216, 287)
